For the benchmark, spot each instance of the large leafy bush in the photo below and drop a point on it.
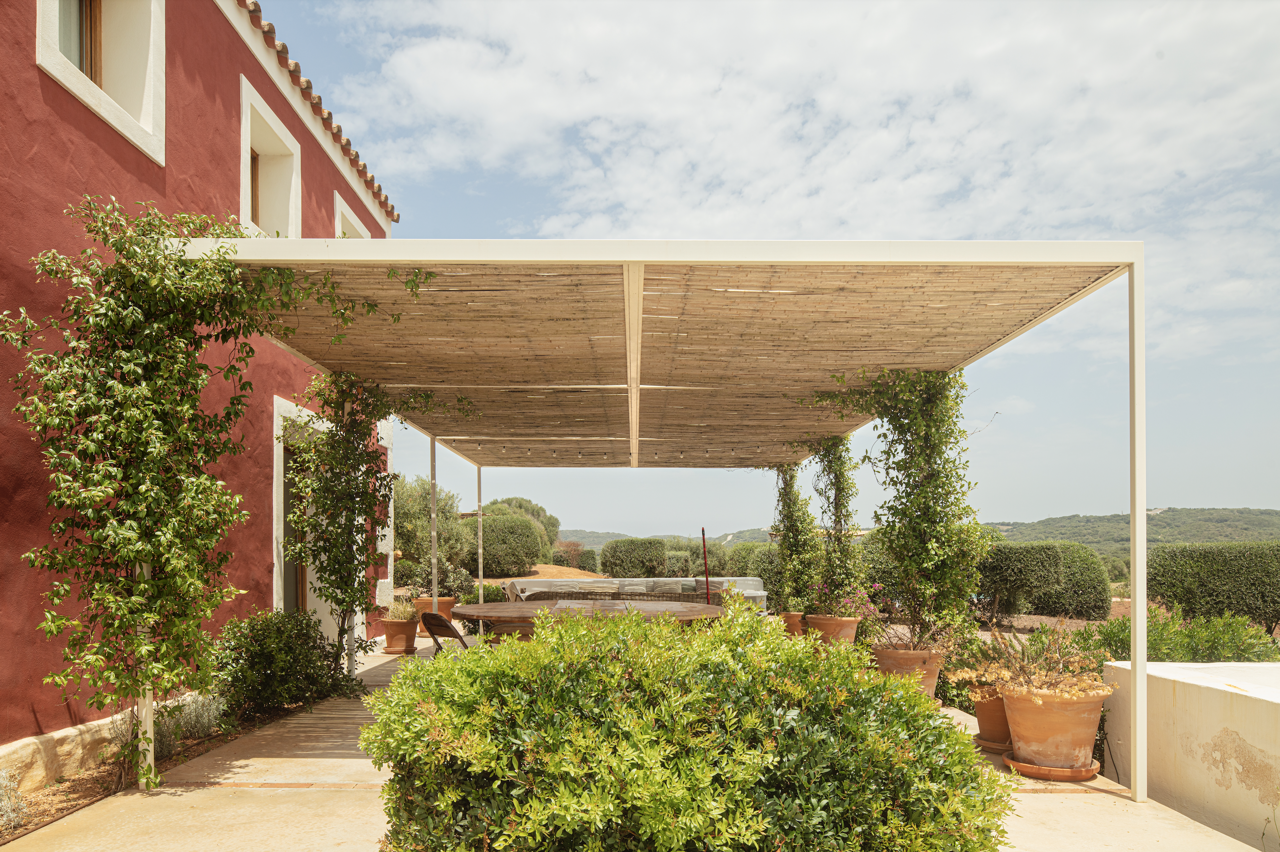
(1085, 590)
(272, 660)
(1174, 638)
(512, 546)
(617, 734)
(588, 560)
(1214, 579)
(634, 557)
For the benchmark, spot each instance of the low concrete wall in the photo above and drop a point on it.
(1213, 741)
(38, 760)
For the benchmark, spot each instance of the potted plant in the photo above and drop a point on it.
(836, 612)
(1053, 698)
(916, 640)
(452, 583)
(400, 622)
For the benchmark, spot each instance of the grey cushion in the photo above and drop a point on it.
(669, 587)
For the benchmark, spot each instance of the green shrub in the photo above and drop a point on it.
(272, 660)
(1012, 572)
(679, 564)
(1173, 638)
(1084, 592)
(634, 557)
(1214, 579)
(617, 734)
(194, 717)
(512, 546)
(559, 557)
(451, 581)
(587, 561)
(742, 558)
(717, 558)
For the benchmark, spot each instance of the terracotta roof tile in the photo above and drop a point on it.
(268, 29)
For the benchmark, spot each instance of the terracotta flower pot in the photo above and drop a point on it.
(834, 628)
(443, 605)
(901, 660)
(988, 706)
(794, 622)
(400, 636)
(1057, 732)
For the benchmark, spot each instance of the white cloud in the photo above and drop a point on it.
(862, 121)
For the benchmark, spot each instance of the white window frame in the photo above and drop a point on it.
(251, 102)
(341, 209)
(146, 134)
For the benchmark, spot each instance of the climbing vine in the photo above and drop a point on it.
(788, 578)
(927, 526)
(111, 389)
(344, 492)
(841, 572)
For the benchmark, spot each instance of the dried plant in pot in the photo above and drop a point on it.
(1053, 698)
(400, 622)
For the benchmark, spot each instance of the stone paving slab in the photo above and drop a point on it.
(218, 818)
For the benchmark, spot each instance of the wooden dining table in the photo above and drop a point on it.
(509, 612)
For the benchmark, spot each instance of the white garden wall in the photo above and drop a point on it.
(1213, 747)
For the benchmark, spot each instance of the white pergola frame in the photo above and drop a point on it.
(632, 255)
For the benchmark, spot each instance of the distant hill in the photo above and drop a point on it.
(1109, 534)
(597, 540)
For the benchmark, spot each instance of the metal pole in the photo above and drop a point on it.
(1138, 531)
(435, 588)
(480, 542)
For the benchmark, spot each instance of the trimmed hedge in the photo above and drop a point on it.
(634, 557)
(512, 546)
(742, 559)
(587, 561)
(620, 734)
(1215, 579)
(1012, 572)
(1085, 590)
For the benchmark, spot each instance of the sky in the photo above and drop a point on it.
(1050, 121)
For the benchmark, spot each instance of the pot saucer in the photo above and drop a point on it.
(1051, 773)
(987, 745)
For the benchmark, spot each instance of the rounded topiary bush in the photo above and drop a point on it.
(1085, 590)
(588, 560)
(634, 557)
(512, 546)
(617, 734)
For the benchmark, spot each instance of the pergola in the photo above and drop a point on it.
(653, 353)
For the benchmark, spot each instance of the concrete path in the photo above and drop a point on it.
(300, 784)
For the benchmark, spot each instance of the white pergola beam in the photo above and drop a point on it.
(633, 296)
(416, 253)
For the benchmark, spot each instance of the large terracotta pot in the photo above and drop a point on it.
(400, 636)
(902, 660)
(443, 605)
(1058, 732)
(834, 628)
(793, 621)
(988, 706)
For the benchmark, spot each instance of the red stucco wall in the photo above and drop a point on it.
(54, 150)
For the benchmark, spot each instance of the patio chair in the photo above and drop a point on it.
(438, 627)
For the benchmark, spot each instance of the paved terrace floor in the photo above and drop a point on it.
(303, 784)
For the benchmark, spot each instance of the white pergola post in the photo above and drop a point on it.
(480, 543)
(1138, 532)
(435, 588)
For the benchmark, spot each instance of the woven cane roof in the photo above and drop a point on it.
(669, 354)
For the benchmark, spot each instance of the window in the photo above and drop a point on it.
(270, 170)
(109, 54)
(80, 36)
(345, 221)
